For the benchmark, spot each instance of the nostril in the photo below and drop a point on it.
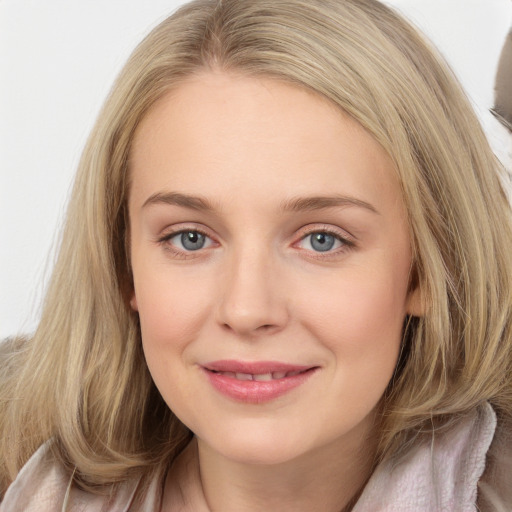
(265, 328)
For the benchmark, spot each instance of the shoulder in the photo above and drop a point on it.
(439, 473)
(495, 486)
(43, 485)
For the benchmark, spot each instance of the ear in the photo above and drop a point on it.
(414, 304)
(133, 302)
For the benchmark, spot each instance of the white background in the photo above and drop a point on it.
(58, 59)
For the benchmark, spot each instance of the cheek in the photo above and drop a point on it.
(171, 318)
(361, 316)
(171, 309)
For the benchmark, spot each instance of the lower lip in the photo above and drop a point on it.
(254, 391)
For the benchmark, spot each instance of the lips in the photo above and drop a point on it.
(261, 377)
(256, 382)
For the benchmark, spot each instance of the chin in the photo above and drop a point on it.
(262, 454)
(257, 446)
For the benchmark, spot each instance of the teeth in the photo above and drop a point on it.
(263, 376)
(244, 376)
(260, 376)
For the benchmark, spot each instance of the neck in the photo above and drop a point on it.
(330, 480)
(324, 481)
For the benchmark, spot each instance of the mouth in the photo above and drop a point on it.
(260, 377)
(256, 382)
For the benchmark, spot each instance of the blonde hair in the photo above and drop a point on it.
(82, 380)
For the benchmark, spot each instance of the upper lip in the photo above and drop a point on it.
(254, 367)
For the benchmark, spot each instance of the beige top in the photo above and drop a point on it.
(439, 475)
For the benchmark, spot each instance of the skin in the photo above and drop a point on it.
(259, 290)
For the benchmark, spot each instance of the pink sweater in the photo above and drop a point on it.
(436, 476)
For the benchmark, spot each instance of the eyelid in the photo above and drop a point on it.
(182, 228)
(348, 241)
(174, 231)
(338, 232)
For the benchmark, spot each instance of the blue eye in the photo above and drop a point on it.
(190, 240)
(321, 241)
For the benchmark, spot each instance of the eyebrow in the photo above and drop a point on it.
(178, 199)
(320, 202)
(298, 204)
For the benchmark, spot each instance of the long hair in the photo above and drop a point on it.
(81, 381)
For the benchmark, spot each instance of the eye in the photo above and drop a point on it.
(189, 240)
(322, 241)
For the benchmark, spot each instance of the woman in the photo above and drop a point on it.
(284, 282)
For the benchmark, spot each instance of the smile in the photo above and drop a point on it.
(256, 382)
(261, 377)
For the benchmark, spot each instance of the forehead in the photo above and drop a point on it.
(218, 133)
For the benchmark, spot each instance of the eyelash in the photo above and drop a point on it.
(346, 243)
(179, 253)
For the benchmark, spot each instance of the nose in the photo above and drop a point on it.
(253, 299)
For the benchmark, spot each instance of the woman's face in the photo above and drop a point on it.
(271, 260)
